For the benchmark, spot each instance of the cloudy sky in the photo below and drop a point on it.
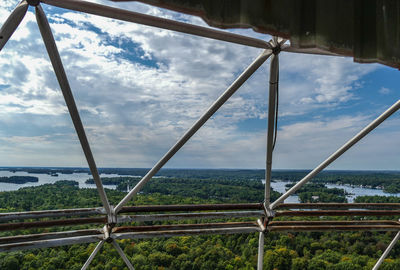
(139, 88)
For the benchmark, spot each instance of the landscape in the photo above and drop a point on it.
(316, 250)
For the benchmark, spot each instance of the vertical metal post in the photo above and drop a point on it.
(273, 86)
(197, 125)
(122, 254)
(91, 257)
(388, 249)
(260, 260)
(55, 59)
(339, 152)
(12, 22)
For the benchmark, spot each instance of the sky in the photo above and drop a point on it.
(138, 89)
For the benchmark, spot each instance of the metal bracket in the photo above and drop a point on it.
(107, 233)
(269, 213)
(276, 45)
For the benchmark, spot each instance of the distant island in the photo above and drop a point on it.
(18, 179)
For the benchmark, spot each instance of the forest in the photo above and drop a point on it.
(313, 251)
(18, 179)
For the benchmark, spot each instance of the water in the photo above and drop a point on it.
(48, 179)
(353, 192)
(277, 185)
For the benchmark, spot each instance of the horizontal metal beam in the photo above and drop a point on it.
(393, 206)
(51, 243)
(191, 207)
(51, 223)
(333, 228)
(155, 228)
(130, 16)
(188, 216)
(333, 222)
(48, 236)
(337, 213)
(172, 233)
(52, 213)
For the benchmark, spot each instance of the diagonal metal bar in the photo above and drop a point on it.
(130, 16)
(12, 23)
(339, 152)
(273, 87)
(92, 255)
(199, 123)
(69, 100)
(122, 254)
(388, 249)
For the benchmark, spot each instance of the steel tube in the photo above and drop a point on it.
(52, 50)
(52, 213)
(337, 213)
(122, 254)
(130, 16)
(339, 152)
(51, 223)
(333, 222)
(332, 228)
(50, 243)
(47, 236)
(188, 216)
(154, 228)
(199, 123)
(393, 206)
(151, 234)
(388, 249)
(12, 22)
(260, 257)
(190, 207)
(273, 84)
(92, 255)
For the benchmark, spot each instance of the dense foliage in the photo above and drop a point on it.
(283, 251)
(389, 181)
(18, 179)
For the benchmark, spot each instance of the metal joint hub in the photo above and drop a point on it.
(33, 3)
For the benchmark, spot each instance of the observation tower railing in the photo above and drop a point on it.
(110, 217)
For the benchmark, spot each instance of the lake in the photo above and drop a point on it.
(82, 177)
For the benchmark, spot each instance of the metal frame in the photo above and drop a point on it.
(110, 216)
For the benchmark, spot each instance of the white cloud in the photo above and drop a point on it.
(134, 111)
(384, 91)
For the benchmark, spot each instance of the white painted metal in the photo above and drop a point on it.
(122, 254)
(50, 243)
(260, 260)
(339, 152)
(199, 123)
(388, 249)
(69, 100)
(92, 255)
(273, 87)
(52, 213)
(12, 22)
(135, 17)
(188, 216)
(172, 233)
